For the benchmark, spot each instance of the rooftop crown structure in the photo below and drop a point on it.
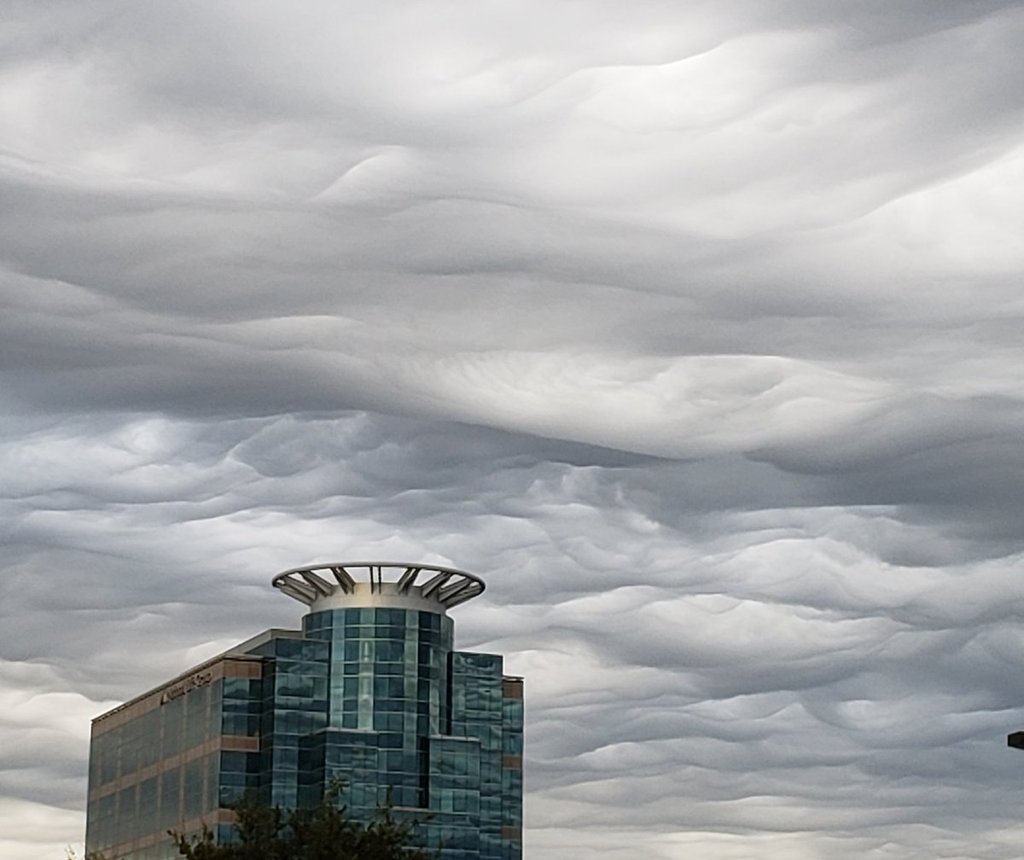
(369, 691)
(439, 588)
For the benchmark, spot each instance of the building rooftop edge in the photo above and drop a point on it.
(235, 652)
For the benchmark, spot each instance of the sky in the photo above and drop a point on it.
(692, 327)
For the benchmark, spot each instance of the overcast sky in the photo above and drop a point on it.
(695, 328)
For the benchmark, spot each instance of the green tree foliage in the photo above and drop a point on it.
(323, 832)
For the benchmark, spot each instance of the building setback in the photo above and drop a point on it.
(370, 691)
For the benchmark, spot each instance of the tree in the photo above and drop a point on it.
(322, 832)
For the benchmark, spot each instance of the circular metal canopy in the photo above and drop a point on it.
(314, 583)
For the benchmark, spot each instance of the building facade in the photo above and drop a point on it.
(370, 691)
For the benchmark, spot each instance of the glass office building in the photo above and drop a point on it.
(370, 691)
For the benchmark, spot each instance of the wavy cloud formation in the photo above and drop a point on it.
(694, 328)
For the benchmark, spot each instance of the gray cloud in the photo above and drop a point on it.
(694, 330)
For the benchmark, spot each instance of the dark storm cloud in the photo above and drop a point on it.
(695, 329)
